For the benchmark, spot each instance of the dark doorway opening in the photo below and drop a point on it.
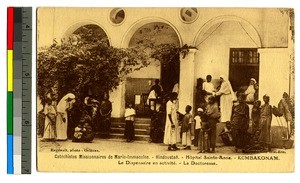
(244, 65)
(170, 74)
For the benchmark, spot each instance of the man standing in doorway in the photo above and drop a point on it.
(157, 88)
(208, 87)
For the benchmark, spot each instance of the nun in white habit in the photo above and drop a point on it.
(227, 96)
(63, 106)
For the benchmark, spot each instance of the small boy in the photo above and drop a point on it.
(204, 144)
(129, 120)
(187, 128)
(197, 126)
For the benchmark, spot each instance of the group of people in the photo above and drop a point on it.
(201, 130)
(99, 112)
(234, 111)
(56, 117)
(91, 119)
(237, 110)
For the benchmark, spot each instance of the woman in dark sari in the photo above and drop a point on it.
(92, 107)
(265, 123)
(105, 114)
(240, 123)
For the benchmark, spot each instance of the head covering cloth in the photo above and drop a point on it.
(63, 103)
(225, 79)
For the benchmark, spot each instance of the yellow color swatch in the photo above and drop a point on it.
(10, 69)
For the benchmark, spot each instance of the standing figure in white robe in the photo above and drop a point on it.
(250, 91)
(250, 96)
(171, 127)
(227, 97)
(63, 106)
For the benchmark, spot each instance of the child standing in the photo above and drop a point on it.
(197, 126)
(129, 120)
(187, 128)
(204, 142)
(265, 123)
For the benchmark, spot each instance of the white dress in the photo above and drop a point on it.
(170, 136)
(226, 101)
(250, 93)
(62, 117)
(49, 130)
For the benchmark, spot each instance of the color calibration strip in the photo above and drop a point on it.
(19, 57)
(10, 40)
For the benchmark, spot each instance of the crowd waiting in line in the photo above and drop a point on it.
(76, 120)
(238, 110)
(235, 109)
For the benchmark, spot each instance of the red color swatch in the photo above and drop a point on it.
(10, 28)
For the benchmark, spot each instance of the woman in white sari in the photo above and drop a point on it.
(171, 126)
(226, 99)
(50, 117)
(63, 106)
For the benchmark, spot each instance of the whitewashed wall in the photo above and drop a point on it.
(213, 56)
(274, 72)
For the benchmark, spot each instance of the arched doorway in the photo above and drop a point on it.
(228, 46)
(156, 38)
(92, 32)
(77, 27)
(87, 75)
(89, 34)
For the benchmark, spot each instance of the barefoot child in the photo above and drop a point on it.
(204, 144)
(197, 126)
(129, 120)
(187, 130)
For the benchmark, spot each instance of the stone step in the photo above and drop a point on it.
(136, 121)
(136, 125)
(136, 131)
(143, 119)
(137, 137)
(141, 129)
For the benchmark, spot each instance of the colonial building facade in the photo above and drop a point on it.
(238, 43)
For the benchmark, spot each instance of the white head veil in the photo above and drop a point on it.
(230, 87)
(62, 104)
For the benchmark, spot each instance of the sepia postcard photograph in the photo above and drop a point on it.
(183, 89)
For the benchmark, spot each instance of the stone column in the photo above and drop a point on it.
(187, 80)
(274, 73)
(117, 97)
